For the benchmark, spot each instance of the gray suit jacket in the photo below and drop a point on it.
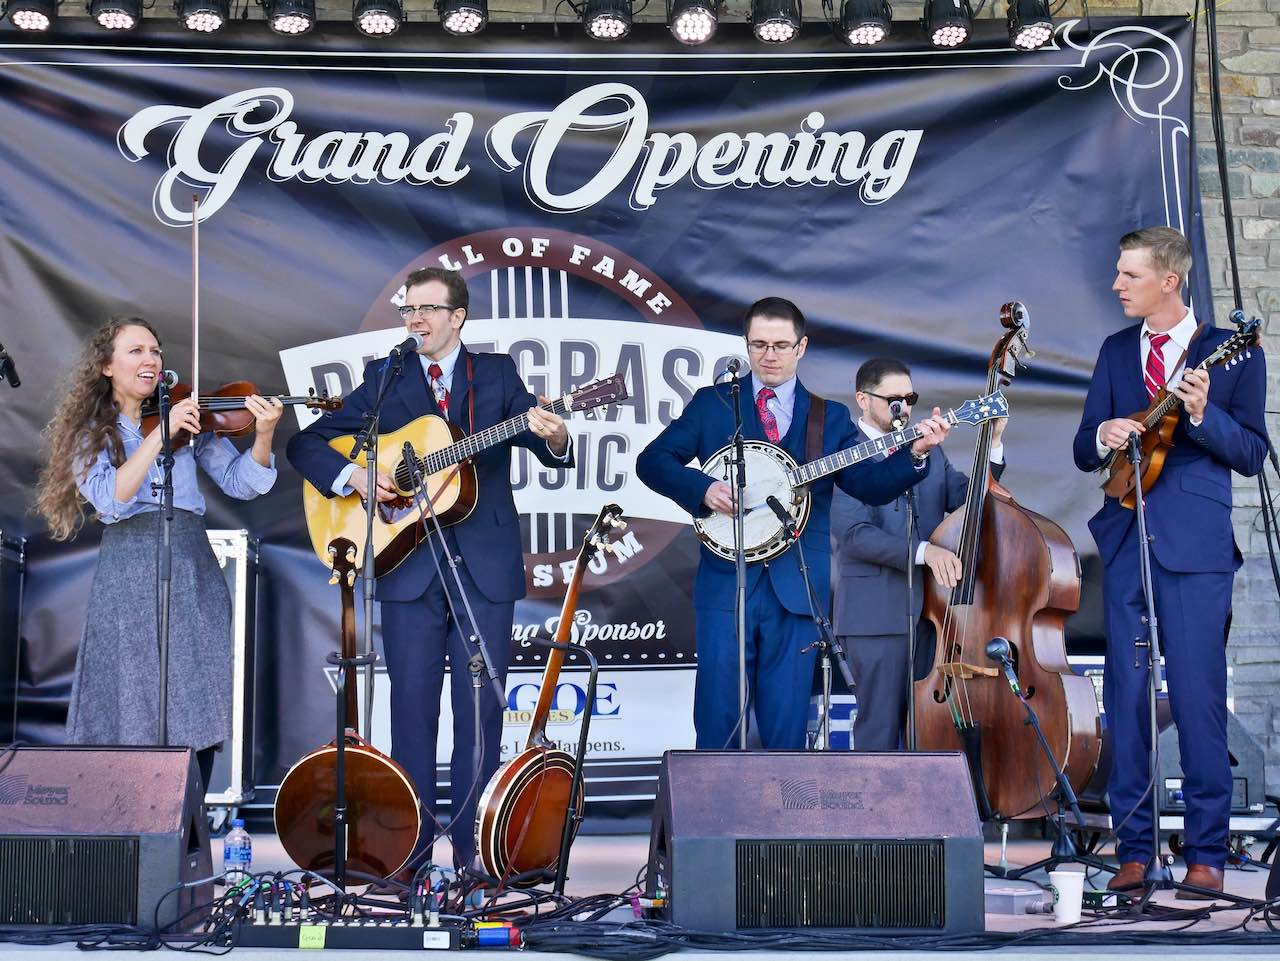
(869, 549)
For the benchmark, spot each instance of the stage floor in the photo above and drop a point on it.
(608, 864)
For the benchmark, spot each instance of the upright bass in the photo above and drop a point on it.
(1020, 580)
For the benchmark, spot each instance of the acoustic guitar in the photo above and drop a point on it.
(444, 459)
(520, 818)
(1161, 419)
(383, 818)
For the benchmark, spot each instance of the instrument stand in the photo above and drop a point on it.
(909, 741)
(572, 819)
(340, 763)
(367, 441)
(164, 572)
(821, 740)
(740, 555)
(1158, 876)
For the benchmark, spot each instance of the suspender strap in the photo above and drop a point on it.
(813, 428)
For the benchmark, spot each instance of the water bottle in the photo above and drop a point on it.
(237, 853)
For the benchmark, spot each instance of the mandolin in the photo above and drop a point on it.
(1161, 419)
(383, 818)
(520, 819)
(443, 457)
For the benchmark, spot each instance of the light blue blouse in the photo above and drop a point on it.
(236, 473)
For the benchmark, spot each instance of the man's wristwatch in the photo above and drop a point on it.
(919, 460)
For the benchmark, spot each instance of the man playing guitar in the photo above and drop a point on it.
(474, 391)
(775, 408)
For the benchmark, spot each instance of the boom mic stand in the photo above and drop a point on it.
(1064, 844)
(899, 412)
(367, 441)
(164, 572)
(1158, 877)
(827, 645)
(739, 551)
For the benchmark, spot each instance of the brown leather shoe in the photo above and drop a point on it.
(1129, 876)
(1201, 876)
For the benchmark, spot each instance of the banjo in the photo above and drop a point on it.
(772, 472)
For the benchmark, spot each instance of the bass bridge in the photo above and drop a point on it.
(959, 670)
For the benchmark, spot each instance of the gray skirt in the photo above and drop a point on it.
(116, 691)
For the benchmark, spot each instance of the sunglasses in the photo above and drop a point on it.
(908, 399)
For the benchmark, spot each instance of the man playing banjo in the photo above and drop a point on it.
(777, 408)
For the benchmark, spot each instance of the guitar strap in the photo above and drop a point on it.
(471, 395)
(813, 428)
(1187, 350)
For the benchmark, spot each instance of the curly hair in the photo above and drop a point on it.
(83, 424)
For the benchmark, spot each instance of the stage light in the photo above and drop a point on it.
(607, 19)
(1030, 26)
(693, 21)
(31, 15)
(864, 23)
(377, 18)
(204, 16)
(290, 17)
(775, 21)
(116, 14)
(462, 18)
(948, 22)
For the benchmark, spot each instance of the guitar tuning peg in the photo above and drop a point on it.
(351, 578)
(609, 547)
(351, 552)
(333, 577)
(333, 552)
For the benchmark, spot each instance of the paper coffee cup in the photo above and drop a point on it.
(1068, 892)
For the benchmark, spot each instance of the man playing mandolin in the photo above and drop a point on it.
(474, 391)
(775, 407)
(1193, 551)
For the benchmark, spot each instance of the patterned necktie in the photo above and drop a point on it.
(1155, 375)
(438, 387)
(767, 420)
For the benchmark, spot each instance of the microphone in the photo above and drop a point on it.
(408, 345)
(734, 365)
(10, 368)
(999, 649)
(788, 524)
(898, 414)
(167, 378)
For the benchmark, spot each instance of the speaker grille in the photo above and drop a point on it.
(69, 880)
(841, 884)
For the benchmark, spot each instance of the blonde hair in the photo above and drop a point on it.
(1168, 249)
(83, 424)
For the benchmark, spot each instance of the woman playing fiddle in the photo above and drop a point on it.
(98, 454)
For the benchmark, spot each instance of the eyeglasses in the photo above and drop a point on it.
(422, 310)
(762, 347)
(908, 399)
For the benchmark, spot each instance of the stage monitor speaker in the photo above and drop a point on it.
(879, 843)
(98, 835)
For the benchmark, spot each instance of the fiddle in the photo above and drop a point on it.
(223, 411)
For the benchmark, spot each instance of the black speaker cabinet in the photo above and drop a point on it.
(97, 835)
(881, 843)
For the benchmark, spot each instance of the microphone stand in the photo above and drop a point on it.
(740, 555)
(164, 572)
(899, 422)
(1158, 877)
(479, 665)
(827, 645)
(367, 441)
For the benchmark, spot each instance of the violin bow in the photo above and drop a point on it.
(195, 298)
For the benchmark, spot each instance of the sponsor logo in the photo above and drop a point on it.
(15, 789)
(804, 794)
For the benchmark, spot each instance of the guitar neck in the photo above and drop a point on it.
(473, 444)
(814, 470)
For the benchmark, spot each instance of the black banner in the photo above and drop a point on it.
(614, 210)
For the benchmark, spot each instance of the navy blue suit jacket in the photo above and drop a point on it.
(705, 426)
(489, 539)
(1189, 506)
(871, 549)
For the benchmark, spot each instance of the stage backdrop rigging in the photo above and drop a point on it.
(613, 209)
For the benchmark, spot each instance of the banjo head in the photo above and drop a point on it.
(764, 538)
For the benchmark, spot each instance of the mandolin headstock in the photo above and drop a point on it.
(1236, 348)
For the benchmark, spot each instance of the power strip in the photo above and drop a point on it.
(370, 934)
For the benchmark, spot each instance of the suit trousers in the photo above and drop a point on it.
(1191, 612)
(417, 635)
(879, 666)
(779, 675)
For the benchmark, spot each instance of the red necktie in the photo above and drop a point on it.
(438, 388)
(1155, 375)
(767, 420)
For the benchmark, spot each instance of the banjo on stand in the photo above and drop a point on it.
(772, 472)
